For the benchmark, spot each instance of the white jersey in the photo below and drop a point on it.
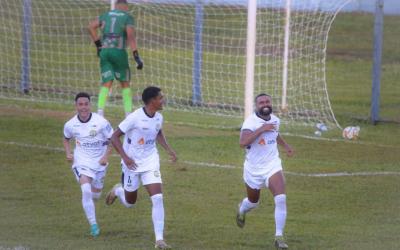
(141, 132)
(264, 148)
(91, 139)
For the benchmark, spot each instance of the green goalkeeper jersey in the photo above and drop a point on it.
(113, 26)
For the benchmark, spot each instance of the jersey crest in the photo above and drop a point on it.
(93, 133)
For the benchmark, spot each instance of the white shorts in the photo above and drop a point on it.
(259, 179)
(131, 180)
(97, 176)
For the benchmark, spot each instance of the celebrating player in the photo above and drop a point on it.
(117, 28)
(90, 159)
(262, 166)
(140, 160)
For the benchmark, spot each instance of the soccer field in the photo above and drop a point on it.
(41, 206)
(341, 194)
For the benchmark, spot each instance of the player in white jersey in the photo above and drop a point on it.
(92, 135)
(262, 167)
(140, 160)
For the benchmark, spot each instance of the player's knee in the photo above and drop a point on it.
(157, 199)
(96, 196)
(254, 200)
(86, 191)
(280, 200)
(130, 202)
(252, 204)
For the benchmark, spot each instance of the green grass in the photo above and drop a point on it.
(40, 201)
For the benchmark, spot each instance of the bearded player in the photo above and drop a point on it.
(262, 167)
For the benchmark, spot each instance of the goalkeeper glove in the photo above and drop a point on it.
(139, 61)
(98, 46)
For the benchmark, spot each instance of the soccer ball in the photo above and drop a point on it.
(351, 133)
(317, 133)
(321, 127)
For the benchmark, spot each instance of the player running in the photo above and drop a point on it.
(117, 28)
(140, 160)
(90, 159)
(262, 166)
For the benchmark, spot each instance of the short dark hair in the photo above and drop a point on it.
(121, 2)
(259, 95)
(149, 93)
(82, 94)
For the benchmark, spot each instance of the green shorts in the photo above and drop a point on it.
(114, 65)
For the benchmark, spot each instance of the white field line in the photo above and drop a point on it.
(226, 166)
(310, 137)
(340, 140)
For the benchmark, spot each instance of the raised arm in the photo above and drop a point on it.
(163, 142)
(247, 136)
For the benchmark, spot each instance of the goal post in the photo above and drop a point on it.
(26, 36)
(284, 107)
(210, 57)
(250, 56)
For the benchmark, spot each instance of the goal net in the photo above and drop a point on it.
(195, 50)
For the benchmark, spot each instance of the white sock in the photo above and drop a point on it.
(96, 196)
(247, 205)
(280, 213)
(88, 204)
(158, 215)
(120, 192)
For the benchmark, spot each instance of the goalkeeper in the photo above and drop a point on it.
(117, 28)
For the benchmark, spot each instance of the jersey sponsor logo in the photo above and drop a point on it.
(268, 142)
(116, 14)
(148, 142)
(141, 141)
(95, 144)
